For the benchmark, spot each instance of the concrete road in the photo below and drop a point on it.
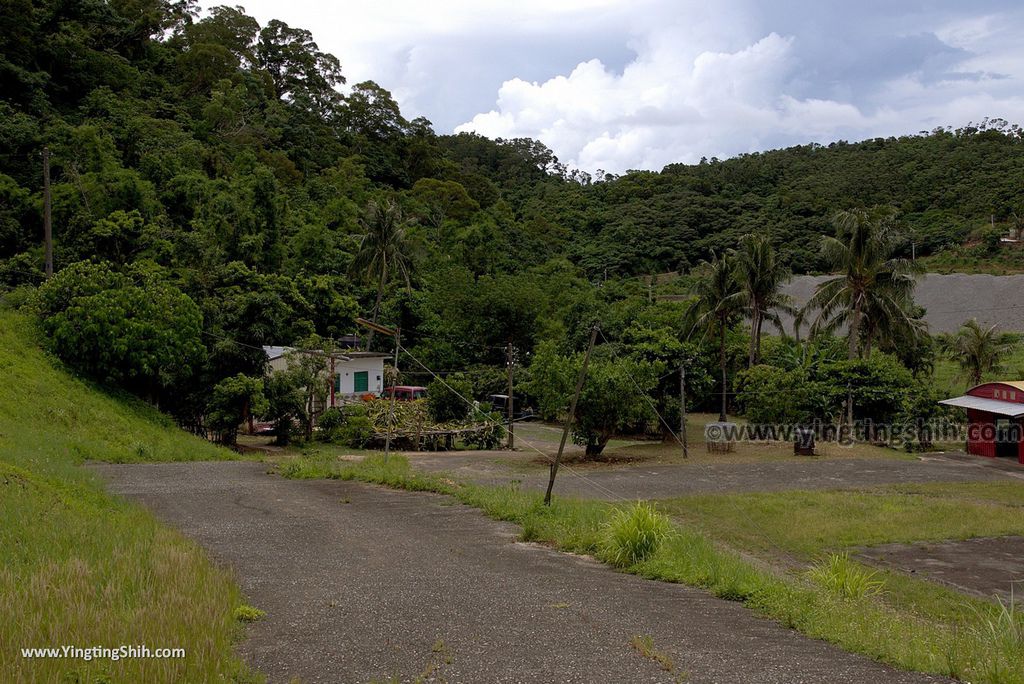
(362, 583)
(663, 481)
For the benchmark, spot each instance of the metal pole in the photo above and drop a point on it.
(47, 215)
(511, 413)
(572, 415)
(391, 404)
(682, 410)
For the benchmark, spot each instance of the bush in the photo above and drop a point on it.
(356, 429)
(634, 534)
(444, 404)
(330, 423)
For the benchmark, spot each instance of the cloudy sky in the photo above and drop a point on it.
(629, 84)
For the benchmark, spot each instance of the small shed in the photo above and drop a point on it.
(995, 417)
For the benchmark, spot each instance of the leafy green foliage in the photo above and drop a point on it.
(447, 399)
(614, 399)
(231, 400)
(141, 335)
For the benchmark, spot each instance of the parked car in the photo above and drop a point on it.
(520, 411)
(404, 392)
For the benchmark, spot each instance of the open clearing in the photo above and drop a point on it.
(983, 567)
(454, 596)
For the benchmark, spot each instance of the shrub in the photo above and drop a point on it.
(845, 578)
(356, 429)
(444, 403)
(634, 534)
(331, 423)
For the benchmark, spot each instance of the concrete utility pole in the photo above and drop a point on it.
(510, 411)
(47, 218)
(572, 415)
(682, 410)
(394, 391)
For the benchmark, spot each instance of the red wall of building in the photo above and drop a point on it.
(981, 434)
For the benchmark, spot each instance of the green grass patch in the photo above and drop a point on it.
(79, 567)
(809, 524)
(956, 643)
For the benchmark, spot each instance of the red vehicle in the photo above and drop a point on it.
(404, 392)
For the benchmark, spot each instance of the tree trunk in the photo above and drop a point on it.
(376, 304)
(854, 339)
(721, 360)
(597, 448)
(755, 337)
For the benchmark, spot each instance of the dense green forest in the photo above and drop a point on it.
(229, 190)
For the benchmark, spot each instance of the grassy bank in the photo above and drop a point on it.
(80, 568)
(980, 643)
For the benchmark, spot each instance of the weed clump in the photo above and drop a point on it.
(634, 534)
(845, 578)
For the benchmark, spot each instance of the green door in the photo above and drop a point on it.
(361, 381)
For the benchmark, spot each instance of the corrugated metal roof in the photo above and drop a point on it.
(1017, 384)
(1002, 408)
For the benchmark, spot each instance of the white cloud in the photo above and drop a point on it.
(673, 103)
(620, 84)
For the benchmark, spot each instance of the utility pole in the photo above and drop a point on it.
(682, 410)
(397, 334)
(511, 400)
(391, 404)
(47, 218)
(572, 415)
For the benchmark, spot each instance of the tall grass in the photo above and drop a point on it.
(634, 534)
(845, 578)
(843, 607)
(80, 568)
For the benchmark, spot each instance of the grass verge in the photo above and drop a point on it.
(81, 568)
(961, 646)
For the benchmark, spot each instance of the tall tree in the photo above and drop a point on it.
(873, 289)
(385, 248)
(761, 276)
(718, 303)
(978, 350)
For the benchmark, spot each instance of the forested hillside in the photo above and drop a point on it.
(227, 193)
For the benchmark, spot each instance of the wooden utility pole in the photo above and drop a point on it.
(682, 410)
(511, 413)
(572, 416)
(47, 218)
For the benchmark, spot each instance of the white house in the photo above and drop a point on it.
(354, 373)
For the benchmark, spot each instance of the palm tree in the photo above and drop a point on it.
(385, 249)
(761, 276)
(719, 301)
(872, 293)
(978, 350)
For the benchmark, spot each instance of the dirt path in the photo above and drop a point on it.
(663, 481)
(363, 583)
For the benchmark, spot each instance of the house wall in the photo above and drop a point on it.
(374, 366)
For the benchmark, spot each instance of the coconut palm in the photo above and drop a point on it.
(718, 303)
(761, 276)
(872, 293)
(385, 249)
(978, 350)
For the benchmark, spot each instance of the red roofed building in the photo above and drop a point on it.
(995, 411)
